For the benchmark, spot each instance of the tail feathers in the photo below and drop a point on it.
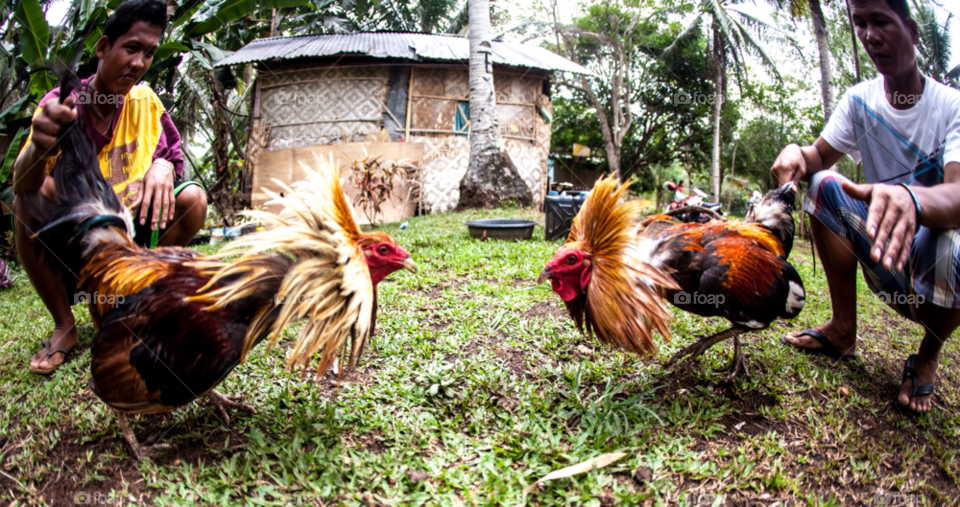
(85, 202)
(796, 295)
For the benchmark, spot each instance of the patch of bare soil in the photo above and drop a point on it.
(514, 358)
(77, 476)
(868, 435)
(548, 309)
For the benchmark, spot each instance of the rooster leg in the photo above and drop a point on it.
(223, 402)
(701, 346)
(738, 362)
(139, 451)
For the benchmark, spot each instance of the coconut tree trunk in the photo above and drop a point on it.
(718, 76)
(491, 177)
(826, 70)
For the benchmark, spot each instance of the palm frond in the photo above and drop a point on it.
(690, 32)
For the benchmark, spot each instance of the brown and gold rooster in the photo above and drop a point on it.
(613, 270)
(172, 323)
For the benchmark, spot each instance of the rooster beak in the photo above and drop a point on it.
(544, 276)
(409, 265)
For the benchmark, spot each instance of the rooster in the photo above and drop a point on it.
(173, 323)
(614, 268)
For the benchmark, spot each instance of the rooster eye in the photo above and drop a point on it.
(383, 250)
(571, 259)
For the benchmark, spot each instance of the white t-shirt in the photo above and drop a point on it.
(898, 145)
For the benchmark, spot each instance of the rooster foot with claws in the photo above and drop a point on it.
(700, 346)
(223, 402)
(141, 452)
(738, 363)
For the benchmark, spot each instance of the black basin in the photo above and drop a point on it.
(501, 229)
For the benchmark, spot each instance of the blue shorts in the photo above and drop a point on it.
(931, 273)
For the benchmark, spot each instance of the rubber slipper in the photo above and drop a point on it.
(49, 353)
(918, 390)
(827, 348)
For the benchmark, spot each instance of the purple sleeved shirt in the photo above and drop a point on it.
(168, 147)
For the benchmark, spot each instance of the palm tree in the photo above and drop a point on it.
(935, 44)
(799, 9)
(730, 38)
(491, 177)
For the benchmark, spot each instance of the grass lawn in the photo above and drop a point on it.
(477, 385)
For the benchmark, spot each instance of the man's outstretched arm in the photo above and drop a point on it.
(796, 163)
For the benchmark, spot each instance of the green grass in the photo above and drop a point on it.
(475, 386)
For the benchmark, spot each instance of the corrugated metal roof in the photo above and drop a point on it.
(412, 46)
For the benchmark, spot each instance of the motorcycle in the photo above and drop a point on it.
(693, 207)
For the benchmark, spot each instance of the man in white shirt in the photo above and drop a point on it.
(901, 226)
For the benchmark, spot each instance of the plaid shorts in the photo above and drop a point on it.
(932, 270)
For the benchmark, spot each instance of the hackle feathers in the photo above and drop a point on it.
(327, 283)
(623, 305)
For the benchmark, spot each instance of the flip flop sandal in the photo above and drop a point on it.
(918, 390)
(49, 353)
(827, 348)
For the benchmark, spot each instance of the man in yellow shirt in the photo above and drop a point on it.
(139, 151)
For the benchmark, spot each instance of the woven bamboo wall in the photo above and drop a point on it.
(323, 105)
(434, 96)
(305, 107)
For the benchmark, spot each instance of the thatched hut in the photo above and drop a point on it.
(397, 95)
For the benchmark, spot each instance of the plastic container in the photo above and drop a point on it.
(560, 210)
(501, 229)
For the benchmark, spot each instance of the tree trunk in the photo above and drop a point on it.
(826, 70)
(717, 105)
(613, 157)
(853, 39)
(220, 190)
(491, 177)
(733, 165)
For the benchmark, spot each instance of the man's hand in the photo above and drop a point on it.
(157, 188)
(46, 126)
(789, 165)
(892, 217)
(29, 169)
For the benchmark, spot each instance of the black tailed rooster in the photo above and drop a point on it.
(179, 321)
(613, 269)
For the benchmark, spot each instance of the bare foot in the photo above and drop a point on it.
(64, 338)
(927, 374)
(843, 337)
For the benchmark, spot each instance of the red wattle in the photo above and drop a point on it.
(565, 290)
